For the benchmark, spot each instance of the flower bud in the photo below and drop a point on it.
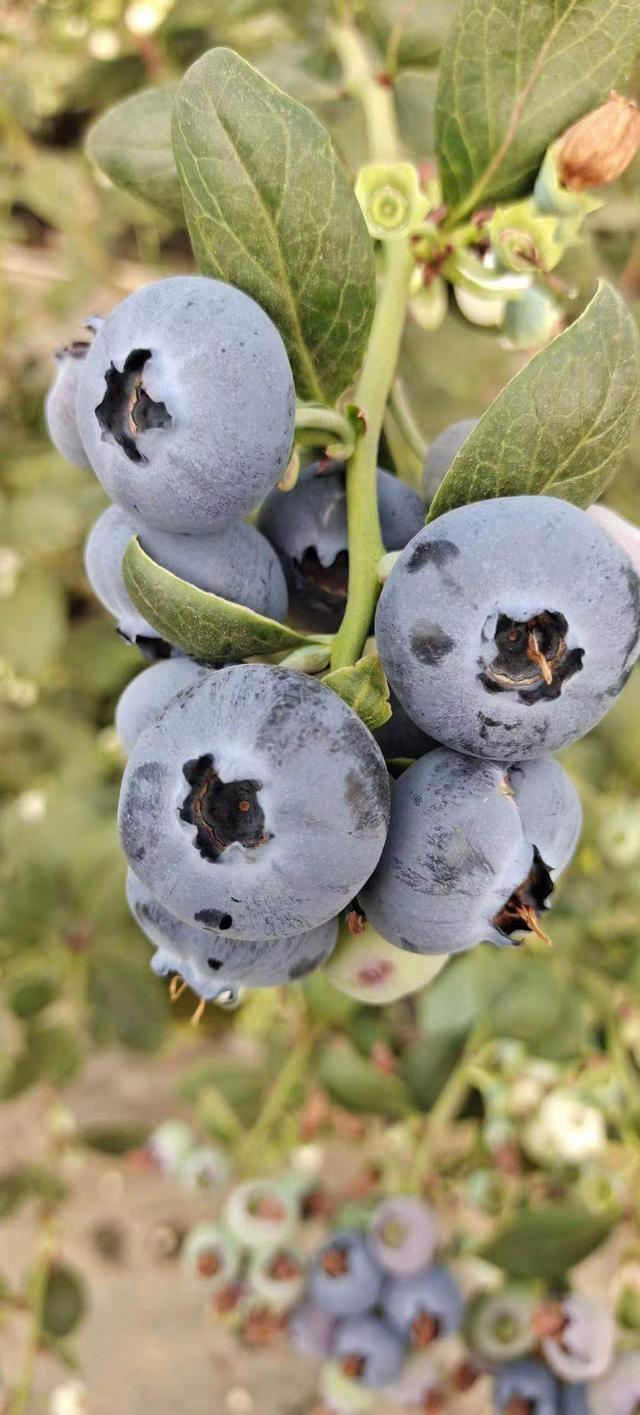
(598, 148)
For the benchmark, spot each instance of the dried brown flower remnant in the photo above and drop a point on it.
(598, 148)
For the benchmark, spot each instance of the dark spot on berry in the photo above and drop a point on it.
(302, 968)
(429, 643)
(431, 552)
(139, 827)
(212, 919)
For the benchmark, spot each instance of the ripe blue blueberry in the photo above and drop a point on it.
(508, 628)
(145, 697)
(60, 405)
(472, 852)
(345, 1279)
(575, 1400)
(441, 453)
(186, 404)
(368, 1351)
(238, 564)
(256, 804)
(212, 963)
(399, 737)
(526, 1388)
(423, 1307)
(312, 1330)
(403, 1235)
(308, 527)
(580, 1340)
(618, 1392)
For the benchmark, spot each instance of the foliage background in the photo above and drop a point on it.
(74, 969)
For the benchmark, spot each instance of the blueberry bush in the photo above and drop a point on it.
(316, 542)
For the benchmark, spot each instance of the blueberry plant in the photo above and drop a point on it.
(371, 608)
(255, 804)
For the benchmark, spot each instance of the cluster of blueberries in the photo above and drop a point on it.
(385, 1315)
(256, 805)
(380, 1308)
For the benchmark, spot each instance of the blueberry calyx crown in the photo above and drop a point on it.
(532, 658)
(425, 1329)
(223, 812)
(126, 409)
(521, 911)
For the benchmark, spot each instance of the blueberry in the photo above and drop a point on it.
(618, 1392)
(423, 1307)
(204, 1167)
(211, 1254)
(341, 1395)
(60, 405)
(526, 1388)
(211, 963)
(238, 564)
(259, 1215)
(472, 852)
(367, 967)
(420, 1385)
(148, 693)
(580, 1337)
(368, 1351)
(441, 453)
(508, 628)
(345, 1280)
(169, 1144)
(308, 527)
(312, 1330)
(277, 1277)
(403, 1235)
(186, 404)
(399, 737)
(499, 1324)
(257, 804)
(575, 1400)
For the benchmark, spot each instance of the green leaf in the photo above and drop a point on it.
(132, 145)
(55, 1053)
(415, 31)
(364, 687)
(270, 209)
(358, 1085)
(546, 1242)
(30, 994)
(64, 1303)
(562, 425)
(126, 1003)
(241, 1086)
(202, 624)
(513, 76)
(118, 1138)
(427, 1065)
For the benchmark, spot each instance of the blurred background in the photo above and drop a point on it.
(92, 1053)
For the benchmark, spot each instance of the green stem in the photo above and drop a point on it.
(365, 541)
(313, 417)
(408, 466)
(376, 99)
(278, 1101)
(403, 415)
(22, 1394)
(376, 378)
(445, 1110)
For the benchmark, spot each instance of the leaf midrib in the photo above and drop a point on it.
(285, 285)
(473, 196)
